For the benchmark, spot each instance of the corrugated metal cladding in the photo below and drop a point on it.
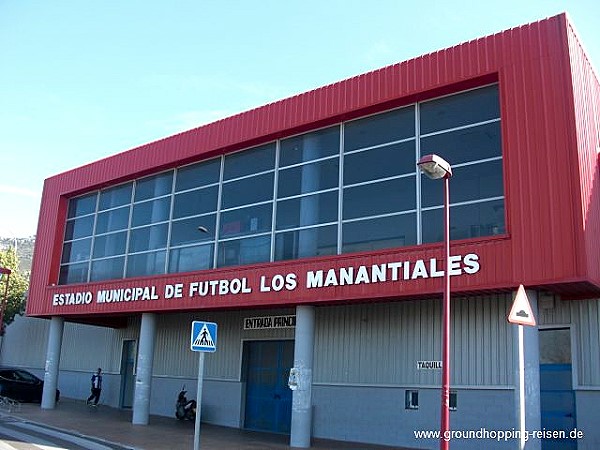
(367, 344)
(586, 97)
(547, 242)
(381, 343)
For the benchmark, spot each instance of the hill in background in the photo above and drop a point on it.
(24, 250)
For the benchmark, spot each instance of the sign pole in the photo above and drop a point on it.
(203, 339)
(199, 400)
(521, 388)
(521, 314)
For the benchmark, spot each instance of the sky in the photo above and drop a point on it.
(83, 80)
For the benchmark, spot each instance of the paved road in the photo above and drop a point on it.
(20, 435)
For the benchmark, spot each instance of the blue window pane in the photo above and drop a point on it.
(113, 220)
(143, 264)
(186, 231)
(76, 251)
(465, 145)
(82, 205)
(244, 251)
(245, 221)
(250, 161)
(460, 109)
(472, 182)
(379, 129)
(309, 146)
(73, 273)
(189, 259)
(466, 221)
(380, 198)
(151, 212)
(110, 244)
(317, 241)
(148, 238)
(78, 228)
(375, 234)
(381, 162)
(307, 210)
(155, 186)
(118, 196)
(193, 203)
(107, 269)
(198, 175)
(308, 178)
(248, 190)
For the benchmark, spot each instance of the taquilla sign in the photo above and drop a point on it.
(349, 277)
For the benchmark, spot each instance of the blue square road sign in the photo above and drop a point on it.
(204, 336)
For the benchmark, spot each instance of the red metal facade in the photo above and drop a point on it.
(549, 98)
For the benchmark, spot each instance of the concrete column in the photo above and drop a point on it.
(303, 361)
(55, 335)
(531, 376)
(145, 362)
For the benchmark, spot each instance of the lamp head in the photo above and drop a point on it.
(435, 167)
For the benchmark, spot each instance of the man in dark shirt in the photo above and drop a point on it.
(96, 388)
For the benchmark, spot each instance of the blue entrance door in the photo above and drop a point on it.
(557, 398)
(268, 397)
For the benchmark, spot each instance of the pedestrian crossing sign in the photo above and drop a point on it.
(204, 336)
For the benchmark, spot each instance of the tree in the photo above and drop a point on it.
(17, 287)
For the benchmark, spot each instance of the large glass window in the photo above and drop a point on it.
(141, 264)
(249, 162)
(198, 175)
(193, 203)
(188, 259)
(155, 186)
(244, 251)
(76, 251)
(461, 109)
(107, 269)
(315, 241)
(82, 206)
(466, 221)
(80, 227)
(117, 196)
(379, 129)
(307, 210)
(187, 231)
(110, 244)
(310, 146)
(381, 162)
(350, 187)
(384, 232)
(74, 273)
(307, 178)
(244, 221)
(247, 190)
(383, 197)
(113, 220)
(148, 238)
(152, 211)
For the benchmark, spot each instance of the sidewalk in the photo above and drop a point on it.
(162, 433)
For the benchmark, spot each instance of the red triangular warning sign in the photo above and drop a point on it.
(521, 312)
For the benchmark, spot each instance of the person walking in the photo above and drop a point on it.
(94, 398)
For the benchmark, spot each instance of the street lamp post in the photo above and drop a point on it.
(7, 272)
(435, 168)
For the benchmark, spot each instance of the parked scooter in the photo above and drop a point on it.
(185, 409)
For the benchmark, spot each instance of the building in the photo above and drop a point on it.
(305, 231)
